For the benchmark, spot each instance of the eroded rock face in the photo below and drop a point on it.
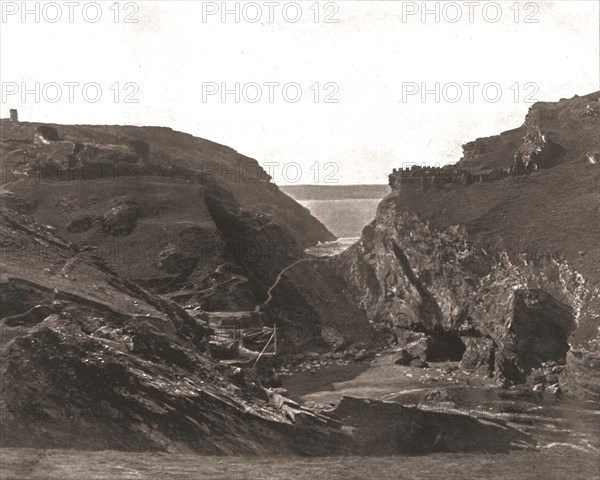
(254, 242)
(539, 328)
(80, 225)
(122, 218)
(497, 151)
(581, 375)
(84, 350)
(181, 215)
(186, 249)
(47, 134)
(420, 349)
(537, 152)
(313, 308)
(479, 355)
(401, 269)
(500, 319)
(386, 428)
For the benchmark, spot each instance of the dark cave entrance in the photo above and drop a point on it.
(447, 346)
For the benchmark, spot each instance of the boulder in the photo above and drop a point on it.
(438, 396)
(389, 428)
(361, 355)
(417, 362)
(404, 357)
(312, 355)
(419, 349)
(582, 373)
(554, 391)
(350, 353)
(479, 355)
(280, 391)
(332, 338)
(80, 225)
(537, 376)
(121, 219)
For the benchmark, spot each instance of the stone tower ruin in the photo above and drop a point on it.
(14, 115)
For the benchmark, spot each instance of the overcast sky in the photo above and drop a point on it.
(373, 58)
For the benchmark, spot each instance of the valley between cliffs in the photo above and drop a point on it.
(124, 248)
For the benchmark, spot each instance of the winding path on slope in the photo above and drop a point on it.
(277, 280)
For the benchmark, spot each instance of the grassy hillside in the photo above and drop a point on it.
(139, 195)
(211, 162)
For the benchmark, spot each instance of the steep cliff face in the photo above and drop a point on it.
(178, 214)
(552, 210)
(127, 153)
(504, 272)
(552, 132)
(90, 360)
(502, 318)
(84, 350)
(314, 309)
(492, 152)
(389, 261)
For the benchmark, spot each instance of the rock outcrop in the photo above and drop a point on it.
(388, 428)
(499, 318)
(485, 270)
(96, 321)
(314, 309)
(178, 214)
(550, 131)
(90, 360)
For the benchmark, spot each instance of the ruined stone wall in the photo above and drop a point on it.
(436, 178)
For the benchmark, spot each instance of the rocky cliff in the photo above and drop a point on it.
(112, 235)
(107, 233)
(501, 274)
(92, 361)
(178, 214)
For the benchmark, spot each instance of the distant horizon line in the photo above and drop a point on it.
(333, 185)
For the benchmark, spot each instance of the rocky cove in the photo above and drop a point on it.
(429, 335)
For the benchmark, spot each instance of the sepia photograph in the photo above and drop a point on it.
(312, 240)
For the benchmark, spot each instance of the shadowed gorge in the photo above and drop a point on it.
(315, 240)
(167, 307)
